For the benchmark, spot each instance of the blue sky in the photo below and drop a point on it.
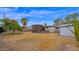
(37, 15)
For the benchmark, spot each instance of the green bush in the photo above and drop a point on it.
(15, 26)
(76, 29)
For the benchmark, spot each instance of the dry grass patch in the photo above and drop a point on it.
(29, 41)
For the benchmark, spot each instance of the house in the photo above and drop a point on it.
(66, 30)
(41, 28)
(37, 28)
(50, 28)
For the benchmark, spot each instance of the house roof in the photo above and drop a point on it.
(37, 25)
(65, 25)
(50, 26)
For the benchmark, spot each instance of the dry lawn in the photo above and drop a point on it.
(29, 41)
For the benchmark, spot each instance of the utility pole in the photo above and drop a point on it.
(4, 15)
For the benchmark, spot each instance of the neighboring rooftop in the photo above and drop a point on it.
(64, 25)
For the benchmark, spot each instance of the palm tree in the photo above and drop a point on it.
(24, 22)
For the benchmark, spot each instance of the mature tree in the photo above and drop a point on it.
(58, 21)
(24, 22)
(5, 23)
(15, 26)
(71, 17)
(74, 15)
(10, 25)
(68, 20)
(45, 24)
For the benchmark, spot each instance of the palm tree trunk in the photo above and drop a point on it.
(24, 27)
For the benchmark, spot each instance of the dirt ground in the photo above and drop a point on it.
(29, 41)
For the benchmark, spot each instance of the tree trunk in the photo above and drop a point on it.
(24, 27)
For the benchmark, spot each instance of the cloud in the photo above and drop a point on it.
(36, 16)
(7, 10)
(41, 12)
(12, 13)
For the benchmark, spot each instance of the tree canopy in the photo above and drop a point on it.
(24, 21)
(11, 24)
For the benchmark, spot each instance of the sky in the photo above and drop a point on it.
(37, 15)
